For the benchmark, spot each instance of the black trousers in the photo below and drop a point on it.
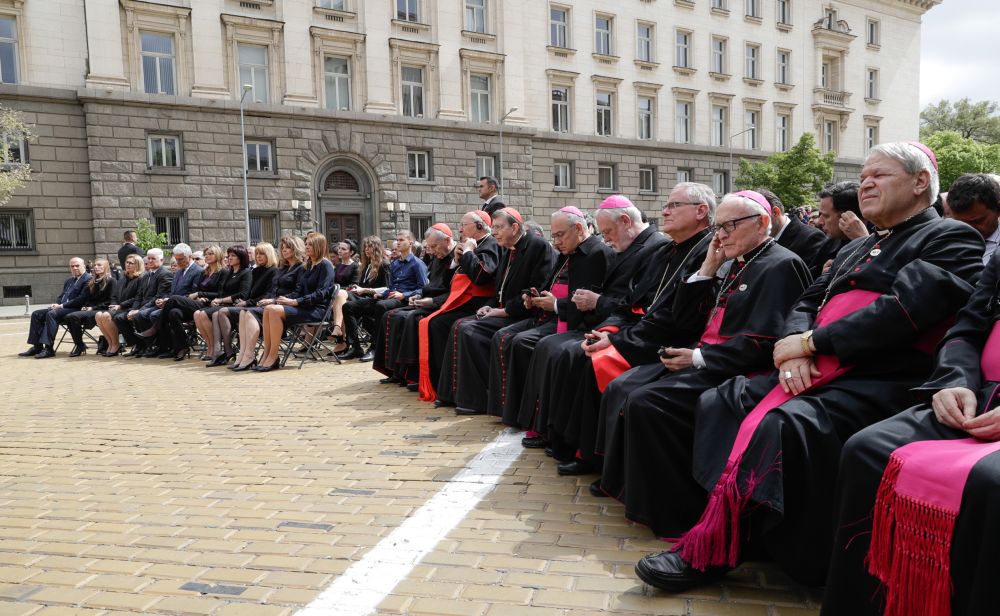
(126, 327)
(79, 321)
(368, 311)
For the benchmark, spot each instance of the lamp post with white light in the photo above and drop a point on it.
(731, 137)
(502, 120)
(247, 88)
(396, 210)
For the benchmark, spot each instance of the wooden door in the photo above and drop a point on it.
(340, 227)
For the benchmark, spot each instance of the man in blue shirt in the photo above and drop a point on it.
(407, 276)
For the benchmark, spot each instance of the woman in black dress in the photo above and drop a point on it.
(262, 277)
(372, 273)
(233, 287)
(97, 297)
(126, 289)
(179, 309)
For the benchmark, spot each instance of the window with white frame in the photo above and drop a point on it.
(720, 182)
(719, 55)
(829, 136)
(605, 177)
(682, 118)
(173, 225)
(158, 58)
(563, 174)
(475, 15)
(13, 150)
(605, 113)
(259, 157)
(751, 122)
(784, 63)
(253, 71)
(829, 18)
(8, 50)
(163, 151)
(264, 228)
(479, 93)
(16, 230)
(603, 35)
(560, 109)
(486, 165)
(783, 11)
(336, 5)
(752, 68)
(682, 49)
(782, 131)
(418, 165)
(871, 85)
(647, 106)
(559, 27)
(824, 75)
(720, 128)
(337, 82)
(871, 136)
(752, 8)
(873, 34)
(644, 42)
(412, 78)
(683, 175)
(647, 179)
(408, 10)
(720, 4)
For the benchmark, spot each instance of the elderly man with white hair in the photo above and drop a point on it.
(767, 448)
(45, 321)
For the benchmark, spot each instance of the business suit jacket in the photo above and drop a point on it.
(185, 284)
(807, 242)
(494, 205)
(157, 286)
(72, 290)
(236, 286)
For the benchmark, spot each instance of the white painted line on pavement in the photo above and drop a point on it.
(359, 590)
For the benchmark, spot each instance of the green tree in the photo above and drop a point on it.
(795, 175)
(147, 235)
(13, 173)
(957, 155)
(979, 121)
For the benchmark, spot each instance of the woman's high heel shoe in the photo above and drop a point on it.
(274, 366)
(182, 354)
(221, 360)
(251, 365)
(120, 351)
(78, 350)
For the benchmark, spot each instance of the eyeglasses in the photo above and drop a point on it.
(558, 235)
(673, 205)
(730, 225)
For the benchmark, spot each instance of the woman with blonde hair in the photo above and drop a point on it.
(96, 297)
(126, 289)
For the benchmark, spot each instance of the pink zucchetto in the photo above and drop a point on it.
(572, 209)
(753, 195)
(926, 150)
(615, 202)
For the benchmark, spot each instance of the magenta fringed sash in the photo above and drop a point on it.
(915, 510)
(715, 539)
(560, 290)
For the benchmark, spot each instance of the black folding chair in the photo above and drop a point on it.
(65, 332)
(312, 336)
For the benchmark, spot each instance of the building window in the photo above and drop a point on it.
(264, 228)
(682, 132)
(682, 49)
(871, 137)
(475, 15)
(873, 36)
(336, 5)
(720, 130)
(683, 175)
(602, 35)
(253, 71)
(337, 79)
(871, 86)
(420, 224)
(8, 50)
(829, 136)
(560, 110)
(824, 75)
(16, 230)
(783, 125)
(157, 51)
(486, 165)
(413, 91)
(164, 151)
(173, 225)
(752, 62)
(479, 92)
(646, 117)
(720, 4)
(720, 182)
(644, 42)
(407, 10)
(259, 159)
(559, 27)
(750, 121)
(604, 113)
(647, 179)
(752, 8)
(784, 61)
(718, 55)
(563, 175)
(14, 152)
(829, 18)
(606, 177)
(783, 11)
(418, 165)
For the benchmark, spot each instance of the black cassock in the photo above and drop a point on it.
(570, 421)
(808, 242)
(649, 412)
(396, 343)
(923, 270)
(975, 548)
(525, 265)
(509, 350)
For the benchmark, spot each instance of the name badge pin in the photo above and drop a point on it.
(742, 287)
(876, 252)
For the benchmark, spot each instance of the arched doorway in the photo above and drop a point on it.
(345, 206)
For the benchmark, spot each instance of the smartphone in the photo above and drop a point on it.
(591, 341)
(662, 352)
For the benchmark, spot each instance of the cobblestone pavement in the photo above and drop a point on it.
(166, 488)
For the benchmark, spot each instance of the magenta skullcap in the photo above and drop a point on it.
(616, 202)
(753, 195)
(572, 209)
(926, 150)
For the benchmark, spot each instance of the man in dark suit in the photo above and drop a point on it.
(128, 247)
(155, 282)
(45, 321)
(489, 192)
(806, 241)
(183, 283)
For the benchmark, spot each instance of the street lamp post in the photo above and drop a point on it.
(731, 137)
(247, 88)
(502, 120)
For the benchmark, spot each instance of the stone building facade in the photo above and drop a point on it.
(359, 105)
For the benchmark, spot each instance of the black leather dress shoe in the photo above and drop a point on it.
(668, 571)
(388, 379)
(45, 353)
(464, 411)
(413, 386)
(550, 452)
(351, 353)
(575, 467)
(533, 442)
(136, 351)
(35, 350)
(369, 356)
(439, 403)
(595, 489)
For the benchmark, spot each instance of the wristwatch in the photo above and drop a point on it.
(805, 338)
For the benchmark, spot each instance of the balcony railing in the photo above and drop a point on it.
(832, 98)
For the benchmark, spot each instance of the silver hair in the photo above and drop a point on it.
(572, 218)
(182, 249)
(751, 207)
(436, 234)
(700, 193)
(156, 253)
(631, 211)
(914, 160)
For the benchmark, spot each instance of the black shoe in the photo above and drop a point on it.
(595, 489)
(45, 353)
(369, 356)
(668, 571)
(151, 352)
(35, 350)
(413, 386)
(220, 360)
(274, 366)
(533, 442)
(239, 368)
(388, 379)
(439, 403)
(351, 353)
(550, 452)
(464, 411)
(575, 467)
(78, 350)
(182, 354)
(136, 351)
(106, 354)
